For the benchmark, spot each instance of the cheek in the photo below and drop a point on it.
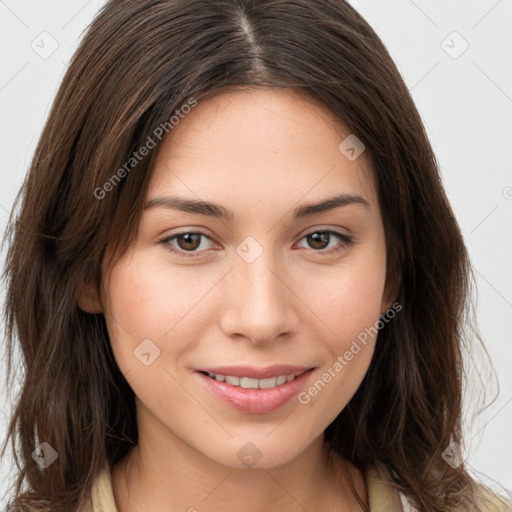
(348, 299)
(149, 301)
(350, 305)
(352, 314)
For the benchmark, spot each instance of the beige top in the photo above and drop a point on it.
(382, 497)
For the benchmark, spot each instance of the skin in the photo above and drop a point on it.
(258, 153)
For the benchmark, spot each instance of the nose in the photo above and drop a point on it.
(259, 303)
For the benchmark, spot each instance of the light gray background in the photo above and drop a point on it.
(466, 104)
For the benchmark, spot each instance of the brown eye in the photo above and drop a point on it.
(185, 244)
(320, 240)
(191, 241)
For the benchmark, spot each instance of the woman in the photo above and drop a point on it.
(235, 276)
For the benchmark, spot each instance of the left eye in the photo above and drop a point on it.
(318, 238)
(189, 242)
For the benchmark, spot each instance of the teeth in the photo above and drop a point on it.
(249, 383)
(268, 383)
(234, 381)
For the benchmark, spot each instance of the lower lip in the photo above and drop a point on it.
(255, 401)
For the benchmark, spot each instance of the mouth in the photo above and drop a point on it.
(254, 383)
(255, 391)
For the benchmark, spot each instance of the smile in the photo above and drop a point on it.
(248, 394)
(250, 383)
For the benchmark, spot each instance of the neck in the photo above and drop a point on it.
(162, 473)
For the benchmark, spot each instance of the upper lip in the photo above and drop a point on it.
(257, 373)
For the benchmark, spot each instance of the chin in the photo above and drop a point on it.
(260, 453)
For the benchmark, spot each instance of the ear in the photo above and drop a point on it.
(393, 279)
(89, 299)
(390, 292)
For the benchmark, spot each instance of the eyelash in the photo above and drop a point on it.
(346, 242)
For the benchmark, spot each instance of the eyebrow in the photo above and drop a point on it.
(217, 211)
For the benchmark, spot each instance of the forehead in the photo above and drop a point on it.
(269, 142)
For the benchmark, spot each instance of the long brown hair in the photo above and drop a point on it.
(140, 62)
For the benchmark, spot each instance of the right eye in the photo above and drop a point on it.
(186, 243)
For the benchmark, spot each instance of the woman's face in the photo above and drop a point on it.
(269, 290)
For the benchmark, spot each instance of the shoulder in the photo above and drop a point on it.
(489, 501)
(102, 496)
(383, 496)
